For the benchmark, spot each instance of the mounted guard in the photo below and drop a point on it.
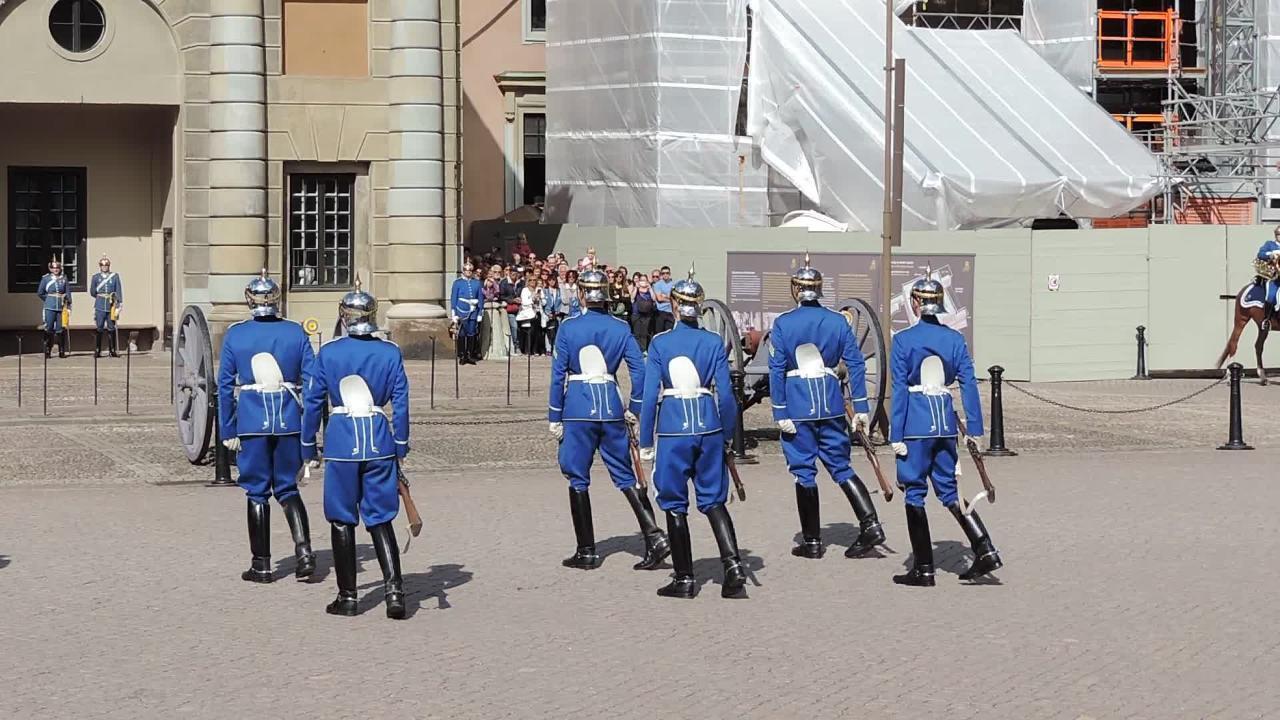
(586, 414)
(54, 292)
(1266, 265)
(1256, 302)
(359, 375)
(107, 291)
(264, 364)
(806, 345)
(926, 359)
(688, 416)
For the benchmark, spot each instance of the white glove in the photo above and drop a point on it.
(232, 444)
(788, 427)
(648, 454)
(314, 464)
(861, 422)
(631, 418)
(557, 430)
(900, 449)
(308, 467)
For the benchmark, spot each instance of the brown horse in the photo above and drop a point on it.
(1246, 311)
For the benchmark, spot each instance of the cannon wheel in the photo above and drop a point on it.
(715, 316)
(867, 331)
(194, 385)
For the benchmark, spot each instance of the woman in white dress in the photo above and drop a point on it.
(528, 320)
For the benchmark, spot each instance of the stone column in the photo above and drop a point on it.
(412, 275)
(237, 155)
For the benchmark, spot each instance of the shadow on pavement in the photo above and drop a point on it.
(953, 557)
(843, 534)
(632, 544)
(435, 582)
(711, 569)
(4, 561)
(324, 562)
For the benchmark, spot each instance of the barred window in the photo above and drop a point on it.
(321, 242)
(46, 220)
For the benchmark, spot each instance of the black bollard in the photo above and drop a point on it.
(19, 370)
(128, 367)
(737, 378)
(46, 384)
(528, 373)
(221, 455)
(95, 378)
(995, 443)
(433, 372)
(457, 363)
(508, 378)
(1235, 438)
(1142, 355)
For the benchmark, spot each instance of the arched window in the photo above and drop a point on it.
(77, 25)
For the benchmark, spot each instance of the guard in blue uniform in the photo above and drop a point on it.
(1267, 267)
(55, 294)
(359, 375)
(466, 305)
(690, 407)
(926, 359)
(107, 291)
(265, 362)
(805, 346)
(587, 415)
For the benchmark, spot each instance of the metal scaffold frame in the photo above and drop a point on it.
(982, 17)
(1234, 48)
(1214, 145)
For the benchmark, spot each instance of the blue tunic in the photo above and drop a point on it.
(54, 292)
(255, 411)
(575, 395)
(102, 287)
(810, 394)
(466, 302)
(349, 438)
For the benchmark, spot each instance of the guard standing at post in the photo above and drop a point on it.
(264, 364)
(359, 375)
(466, 304)
(55, 294)
(107, 291)
(926, 359)
(806, 345)
(690, 407)
(586, 415)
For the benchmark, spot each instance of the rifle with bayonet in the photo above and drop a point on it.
(634, 443)
(976, 453)
(410, 508)
(885, 487)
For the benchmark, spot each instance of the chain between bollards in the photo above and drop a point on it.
(1142, 355)
(1235, 436)
(995, 441)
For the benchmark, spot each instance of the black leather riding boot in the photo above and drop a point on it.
(111, 343)
(97, 344)
(985, 557)
(384, 543)
(682, 584)
(343, 538)
(48, 343)
(735, 573)
(295, 513)
(586, 557)
(62, 342)
(259, 521)
(921, 573)
(871, 533)
(810, 524)
(656, 545)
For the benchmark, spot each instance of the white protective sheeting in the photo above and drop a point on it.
(992, 131)
(642, 96)
(1268, 73)
(1065, 33)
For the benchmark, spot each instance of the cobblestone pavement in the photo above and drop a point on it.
(1135, 582)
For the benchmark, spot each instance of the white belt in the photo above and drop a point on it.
(291, 387)
(686, 394)
(470, 301)
(933, 390)
(813, 374)
(342, 410)
(595, 379)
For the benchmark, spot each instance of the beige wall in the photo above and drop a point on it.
(326, 38)
(135, 62)
(492, 43)
(126, 152)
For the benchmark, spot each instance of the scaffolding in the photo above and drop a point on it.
(967, 14)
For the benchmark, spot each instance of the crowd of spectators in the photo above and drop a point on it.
(528, 296)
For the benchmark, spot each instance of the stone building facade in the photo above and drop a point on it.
(198, 141)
